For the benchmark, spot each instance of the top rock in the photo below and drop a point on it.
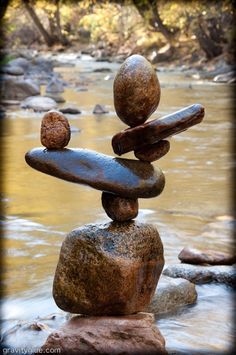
(136, 91)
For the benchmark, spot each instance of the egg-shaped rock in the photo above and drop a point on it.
(55, 130)
(136, 91)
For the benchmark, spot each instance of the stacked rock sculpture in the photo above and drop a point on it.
(110, 271)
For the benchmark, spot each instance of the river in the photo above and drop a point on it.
(194, 209)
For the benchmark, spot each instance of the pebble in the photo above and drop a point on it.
(136, 91)
(119, 208)
(55, 130)
(100, 109)
(70, 110)
(153, 152)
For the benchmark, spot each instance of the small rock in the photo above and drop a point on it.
(124, 177)
(10, 102)
(39, 103)
(70, 110)
(102, 70)
(203, 274)
(136, 91)
(19, 62)
(119, 208)
(212, 257)
(153, 152)
(171, 294)
(99, 109)
(108, 269)
(54, 86)
(225, 78)
(55, 130)
(128, 335)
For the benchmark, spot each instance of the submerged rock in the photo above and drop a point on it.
(108, 269)
(55, 130)
(99, 109)
(136, 91)
(213, 257)
(203, 274)
(119, 208)
(154, 131)
(39, 103)
(123, 177)
(70, 110)
(127, 335)
(171, 294)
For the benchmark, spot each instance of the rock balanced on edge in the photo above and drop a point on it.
(113, 269)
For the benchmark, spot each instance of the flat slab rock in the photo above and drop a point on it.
(124, 177)
(133, 334)
(108, 269)
(213, 257)
(171, 294)
(203, 274)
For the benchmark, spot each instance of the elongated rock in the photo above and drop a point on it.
(153, 152)
(108, 269)
(123, 177)
(212, 257)
(156, 130)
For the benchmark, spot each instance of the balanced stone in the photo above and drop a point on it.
(136, 91)
(108, 269)
(153, 152)
(119, 208)
(212, 257)
(156, 130)
(55, 130)
(123, 177)
(133, 334)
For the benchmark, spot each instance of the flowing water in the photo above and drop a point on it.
(194, 208)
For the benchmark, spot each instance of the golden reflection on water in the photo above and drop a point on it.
(197, 169)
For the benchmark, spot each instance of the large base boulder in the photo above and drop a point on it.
(133, 334)
(108, 269)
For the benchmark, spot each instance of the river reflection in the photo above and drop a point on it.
(194, 208)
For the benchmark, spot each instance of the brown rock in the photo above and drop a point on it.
(152, 132)
(108, 269)
(119, 208)
(136, 91)
(127, 335)
(55, 130)
(129, 178)
(212, 257)
(153, 152)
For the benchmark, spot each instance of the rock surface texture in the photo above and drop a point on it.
(55, 130)
(152, 132)
(212, 257)
(203, 274)
(108, 269)
(119, 208)
(124, 177)
(171, 294)
(136, 91)
(126, 335)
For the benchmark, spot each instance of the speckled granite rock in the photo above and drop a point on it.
(136, 90)
(171, 294)
(108, 269)
(55, 130)
(123, 177)
(124, 335)
(203, 274)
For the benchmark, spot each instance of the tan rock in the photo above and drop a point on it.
(119, 208)
(55, 130)
(131, 335)
(136, 91)
(108, 269)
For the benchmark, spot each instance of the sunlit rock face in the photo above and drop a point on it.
(108, 269)
(136, 91)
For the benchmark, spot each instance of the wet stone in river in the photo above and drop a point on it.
(119, 208)
(136, 91)
(55, 130)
